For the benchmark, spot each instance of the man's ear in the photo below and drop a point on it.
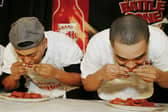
(45, 42)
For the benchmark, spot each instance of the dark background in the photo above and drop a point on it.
(101, 13)
(14, 9)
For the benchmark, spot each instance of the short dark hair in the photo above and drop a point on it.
(129, 29)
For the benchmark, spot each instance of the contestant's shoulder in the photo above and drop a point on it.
(156, 32)
(158, 42)
(57, 37)
(60, 41)
(52, 34)
(102, 36)
(157, 35)
(9, 46)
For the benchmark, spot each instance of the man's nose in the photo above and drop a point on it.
(131, 65)
(27, 60)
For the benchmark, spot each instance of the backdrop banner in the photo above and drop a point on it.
(71, 18)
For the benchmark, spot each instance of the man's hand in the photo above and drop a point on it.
(12, 81)
(147, 73)
(45, 70)
(107, 73)
(112, 71)
(17, 70)
(9, 83)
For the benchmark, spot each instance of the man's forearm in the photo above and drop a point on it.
(163, 79)
(10, 83)
(93, 81)
(69, 78)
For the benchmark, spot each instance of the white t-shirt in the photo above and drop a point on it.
(99, 53)
(61, 52)
(1, 57)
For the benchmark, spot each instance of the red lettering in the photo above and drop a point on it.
(139, 5)
(51, 87)
(133, 6)
(160, 5)
(145, 5)
(58, 29)
(142, 6)
(145, 16)
(156, 16)
(62, 27)
(71, 27)
(124, 7)
(151, 7)
(72, 34)
(48, 88)
(150, 17)
(48, 85)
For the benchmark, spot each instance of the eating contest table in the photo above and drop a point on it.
(60, 105)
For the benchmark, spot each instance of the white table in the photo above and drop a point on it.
(58, 105)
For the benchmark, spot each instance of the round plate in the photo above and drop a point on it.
(5, 96)
(136, 108)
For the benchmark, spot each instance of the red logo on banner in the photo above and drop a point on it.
(69, 17)
(150, 10)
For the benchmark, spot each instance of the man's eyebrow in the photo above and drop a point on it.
(19, 54)
(26, 55)
(121, 57)
(140, 56)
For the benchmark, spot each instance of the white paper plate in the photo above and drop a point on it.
(5, 96)
(158, 107)
(132, 87)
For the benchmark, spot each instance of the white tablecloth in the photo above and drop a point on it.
(58, 105)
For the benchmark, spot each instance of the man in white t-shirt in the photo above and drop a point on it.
(129, 48)
(48, 60)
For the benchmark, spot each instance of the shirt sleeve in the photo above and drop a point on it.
(69, 51)
(1, 57)
(9, 58)
(158, 48)
(92, 60)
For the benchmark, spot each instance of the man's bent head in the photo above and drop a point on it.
(26, 33)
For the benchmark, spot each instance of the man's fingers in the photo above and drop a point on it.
(147, 71)
(146, 77)
(148, 80)
(117, 71)
(124, 69)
